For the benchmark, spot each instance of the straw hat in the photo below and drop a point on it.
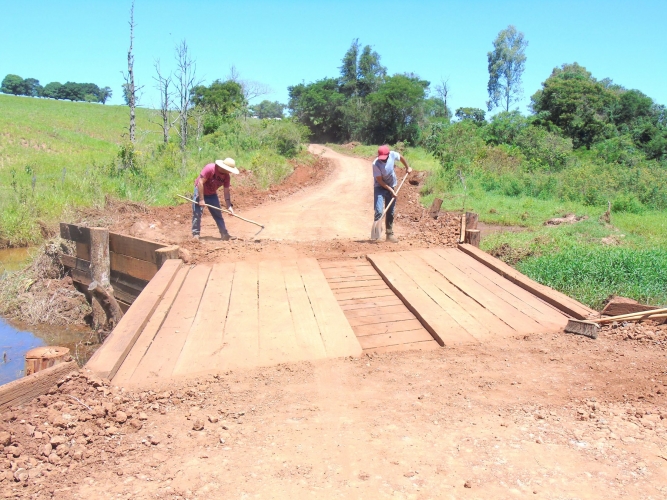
(228, 164)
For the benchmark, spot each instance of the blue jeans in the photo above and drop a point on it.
(382, 198)
(209, 199)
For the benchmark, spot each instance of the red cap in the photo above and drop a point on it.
(383, 152)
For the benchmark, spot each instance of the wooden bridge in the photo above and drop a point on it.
(196, 319)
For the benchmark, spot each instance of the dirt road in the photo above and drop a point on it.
(339, 208)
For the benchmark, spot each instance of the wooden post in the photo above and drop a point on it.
(41, 358)
(472, 237)
(166, 253)
(435, 208)
(99, 269)
(471, 220)
(462, 233)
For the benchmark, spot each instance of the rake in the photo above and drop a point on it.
(227, 212)
(378, 227)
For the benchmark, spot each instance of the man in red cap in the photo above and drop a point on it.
(384, 185)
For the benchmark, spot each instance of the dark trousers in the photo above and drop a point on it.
(382, 198)
(209, 199)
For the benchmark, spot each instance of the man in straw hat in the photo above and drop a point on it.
(207, 184)
(385, 184)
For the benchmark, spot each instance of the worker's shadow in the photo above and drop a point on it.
(209, 238)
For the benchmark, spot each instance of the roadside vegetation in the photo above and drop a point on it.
(57, 156)
(587, 146)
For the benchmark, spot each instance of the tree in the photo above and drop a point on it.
(475, 115)
(442, 90)
(129, 89)
(506, 65)
(186, 74)
(52, 90)
(13, 84)
(105, 95)
(163, 84)
(251, 89)
(222, 99)
(571, 100)
(32, 87)
(319, 105)
(397, 109)
(268, 109)
(370, 73)
(71, 91)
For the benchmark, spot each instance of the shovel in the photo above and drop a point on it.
(227, 212)
(378, 227)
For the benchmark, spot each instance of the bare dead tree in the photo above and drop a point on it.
(163, 85)
(251, 89)
(186, 79)
(199, 113)
(131, 90)
(442, 89)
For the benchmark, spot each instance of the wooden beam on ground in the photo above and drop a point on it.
(557, 299)
(134, 267)
(75, 233)
(25, 389)
(164, 254)
(108, 358)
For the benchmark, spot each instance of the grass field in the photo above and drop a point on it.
(56, 156)
(588, 260)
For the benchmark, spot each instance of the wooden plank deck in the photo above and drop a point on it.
(379, 319)
(234, 315)
(459, 300)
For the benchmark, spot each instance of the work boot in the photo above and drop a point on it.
(227, 237)
(391, 238)
(195, 237)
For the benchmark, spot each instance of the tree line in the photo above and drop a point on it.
(365, 104)
(71, 91)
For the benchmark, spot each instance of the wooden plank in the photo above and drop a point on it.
(467, 312)
(277, 339)
(555, 298)
(241, 341)
(82, 277)
(489, 300)
(524, 301)
(332, 264)
(133, 267)
(444, 329)
(363, 293)
(108, 358)
(428, 345)
(337, 334)
(74, 262)
(83, 250)
(394, 338)
(201, 351)
(388, 327)
(73, 232)
(160, 359)
(134, 247)
(144, 341)
(25, 389)
(124, 296)
(305, 325)
(130, 283)
(351, 314)
(356, 283)
(349, 305)
(378, 318)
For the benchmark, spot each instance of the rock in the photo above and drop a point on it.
(62, 450)
(21, 474)
(467, 484)
(184, 255)
(197, 424)
(5, 438)
(121, 417)
(58, 440)
(54, 459)
(155, 440)
(136, 424)
(112, 430)
(143, 416)
(213, 419)
(38, 435)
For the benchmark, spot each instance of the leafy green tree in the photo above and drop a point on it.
(574, 102)
(268, 109)
(435, 108)
(319, 106)
(370, 73)
(52, 90)
(475, 115)
(222, 99)
(13, 84)
(507, 61)
(504, 127)
(456, 145)
(126, 94)
(397, 110)
(349, 70)
(32, 87)
(72, 91)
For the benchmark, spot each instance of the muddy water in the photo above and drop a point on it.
(13, 259)
(17, 338)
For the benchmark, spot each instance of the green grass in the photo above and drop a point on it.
(71, 151)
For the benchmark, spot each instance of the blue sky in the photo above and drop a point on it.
(281, 43)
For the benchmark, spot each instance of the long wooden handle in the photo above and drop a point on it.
(637, 315)
(392, 200)
(223, 210)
